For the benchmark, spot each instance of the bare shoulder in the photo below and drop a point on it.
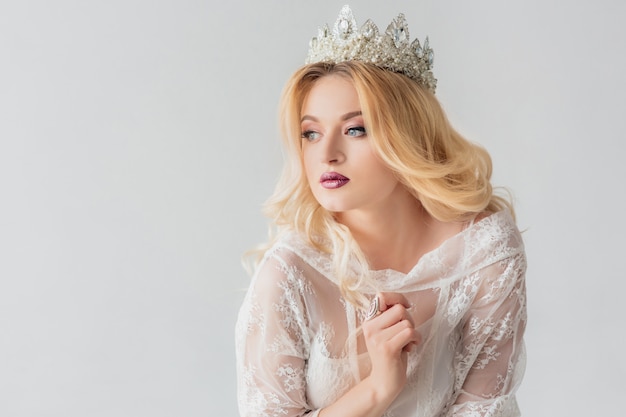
(482, 215)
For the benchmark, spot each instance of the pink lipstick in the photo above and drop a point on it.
(331, 180)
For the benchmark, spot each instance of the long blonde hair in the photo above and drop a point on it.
(408, 129)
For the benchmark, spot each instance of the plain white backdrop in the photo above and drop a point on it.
(138, 141)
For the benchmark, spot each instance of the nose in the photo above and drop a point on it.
(333, 149)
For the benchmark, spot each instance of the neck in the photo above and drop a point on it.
(393, 235)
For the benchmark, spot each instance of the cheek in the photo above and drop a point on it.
(380, 172)
(306, 158)
(372, 162)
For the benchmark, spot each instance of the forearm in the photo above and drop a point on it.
(366, 399)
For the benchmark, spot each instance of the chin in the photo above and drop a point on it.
(334, 207)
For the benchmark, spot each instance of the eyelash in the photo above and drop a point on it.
(307, 134)
(359, 129)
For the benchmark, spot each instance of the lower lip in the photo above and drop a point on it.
(332, 184)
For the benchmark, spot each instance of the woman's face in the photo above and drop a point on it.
(342, 169)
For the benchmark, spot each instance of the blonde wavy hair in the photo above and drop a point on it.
(408, 129)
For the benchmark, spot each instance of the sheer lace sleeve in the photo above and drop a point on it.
(491, 360)
(273, 343)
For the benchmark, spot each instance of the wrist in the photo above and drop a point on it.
(379, 393)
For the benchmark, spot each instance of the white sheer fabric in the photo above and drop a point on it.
(298, 348)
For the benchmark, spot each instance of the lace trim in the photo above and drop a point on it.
(482, 243)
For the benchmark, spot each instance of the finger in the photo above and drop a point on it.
(404, 336)
(391, 332)
(388, 299)
(391, 316)
(385, 335)
(410, 346)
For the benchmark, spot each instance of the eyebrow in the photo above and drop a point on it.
(345, 117)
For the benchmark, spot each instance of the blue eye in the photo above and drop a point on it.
(310, 135)
(356, 131)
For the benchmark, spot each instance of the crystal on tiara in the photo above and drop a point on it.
(391, 51)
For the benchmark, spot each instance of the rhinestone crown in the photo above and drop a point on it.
(391, 51)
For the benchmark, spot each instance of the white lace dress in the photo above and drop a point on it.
(298, 348)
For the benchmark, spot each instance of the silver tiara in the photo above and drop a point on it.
(391, 51)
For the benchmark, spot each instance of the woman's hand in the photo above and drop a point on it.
(388, 337)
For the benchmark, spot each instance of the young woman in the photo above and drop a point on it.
(394, 284)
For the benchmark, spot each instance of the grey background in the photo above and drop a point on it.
(138, 140)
